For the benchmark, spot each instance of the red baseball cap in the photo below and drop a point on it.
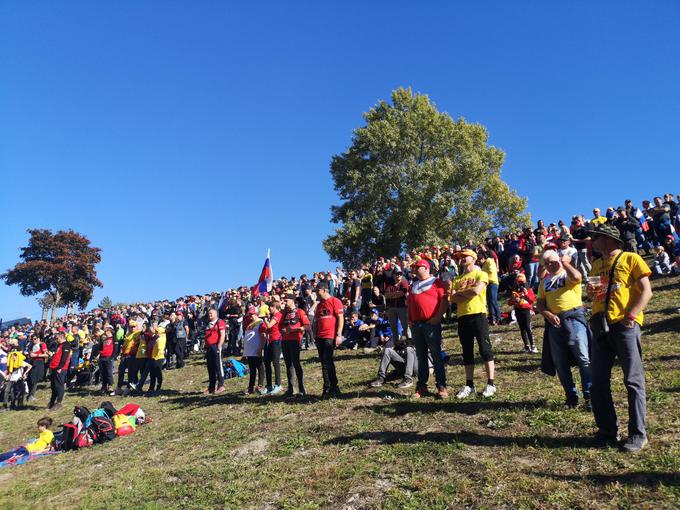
(422, 263)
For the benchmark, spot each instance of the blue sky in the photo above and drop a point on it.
(186, 138)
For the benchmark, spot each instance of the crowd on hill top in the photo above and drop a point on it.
(393, 306)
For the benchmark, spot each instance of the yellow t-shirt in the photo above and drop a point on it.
(559, 293)
(476, 304)
(629, 269)
(599, 220)
(129, 343)
(489, 267)
(263, 310)
(42, 443)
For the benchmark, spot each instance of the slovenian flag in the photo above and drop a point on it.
(264, 284)
(641, 218)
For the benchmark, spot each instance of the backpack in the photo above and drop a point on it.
(108, 408)
(84, 439)
(82, 413)
(123, 424)
(102, 428)
(69, 436)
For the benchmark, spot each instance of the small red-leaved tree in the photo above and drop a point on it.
(61, 264)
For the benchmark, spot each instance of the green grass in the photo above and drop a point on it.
(374, 448)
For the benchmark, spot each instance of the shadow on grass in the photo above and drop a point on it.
(467, 438)
(469, 408)
(347, 355)
(670, 325)
(644, 478)
(667, 286)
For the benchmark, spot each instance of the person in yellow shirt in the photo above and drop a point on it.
(597, 219)
(566, 338)
(629, 293)
(468, 293)
(488, 265)
(42, 444)
(155, 353)
(128, 357)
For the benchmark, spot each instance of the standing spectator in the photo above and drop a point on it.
(181, 335)
(128, 360)
(328, 323)
(214, 339)
(628, 227)
(58, 370)
(254, 332)
(234, 317)
(522, 300)
(272, 350)
(559, 301)
(564, 248)
(395, 299)
(581, 237)
(489, 267)
(597, 219)
(426, 306)
(37, 355)
(469, 294)
(106, 355)
(292, 327)
(621, 297)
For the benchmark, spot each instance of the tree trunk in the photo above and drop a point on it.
(55, 305)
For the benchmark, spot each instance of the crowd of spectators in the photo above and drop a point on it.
(146, 339)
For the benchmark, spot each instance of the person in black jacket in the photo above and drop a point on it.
(628, 226)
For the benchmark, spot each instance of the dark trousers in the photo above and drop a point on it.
(291, 357)
(36, 375)
(180, 351)
(169, 351)
(106, 370)
(523, 317)
(470, 327)
(144, 367)
(213, 358)
(622, 343)
(325, 347)
(272, 356)
(233, 349)
(156, 374)
(255, 369)
(127, 363)
(57, 382)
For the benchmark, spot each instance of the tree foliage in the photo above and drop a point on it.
(415, 176)
(61, 264)
(105, 303)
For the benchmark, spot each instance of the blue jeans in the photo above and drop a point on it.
(532, 275)
(429, 337)
(561, 348)
(492, 302)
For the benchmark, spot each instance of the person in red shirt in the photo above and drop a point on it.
(522, 300)
(329, 320)
(215, 331)
(106, 352)
(38, 355)
(272, 350)
(427, 302)
(58, 367)
(293, 325)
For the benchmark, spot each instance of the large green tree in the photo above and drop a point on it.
(415, 176)
(62, 264)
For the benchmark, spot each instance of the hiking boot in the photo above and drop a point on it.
(634, 444)
(220, 389)
(489, 391)
(587, 405)
(276, 389)
(249, 391)
(378, 382)
(465, 392)
(442, 393)
(406, 383)
(607, 439)
(31, 398)
(205, 392)
(289, 393)
(261, 390)
(534, 350)
(421, 392)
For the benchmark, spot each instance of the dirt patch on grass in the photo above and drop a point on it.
(254, 447)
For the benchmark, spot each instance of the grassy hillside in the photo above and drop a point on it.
(374, 448)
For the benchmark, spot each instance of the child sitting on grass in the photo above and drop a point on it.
(42, 444)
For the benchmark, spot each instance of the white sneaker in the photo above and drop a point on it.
(489, 391)
(465, 392)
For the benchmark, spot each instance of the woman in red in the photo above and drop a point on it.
(38, 355)
(272, 350)
(293, 325)
(522, 300)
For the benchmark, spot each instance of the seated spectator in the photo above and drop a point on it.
(403, 357)
(662, 262)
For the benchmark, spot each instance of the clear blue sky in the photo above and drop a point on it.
(186, 138)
